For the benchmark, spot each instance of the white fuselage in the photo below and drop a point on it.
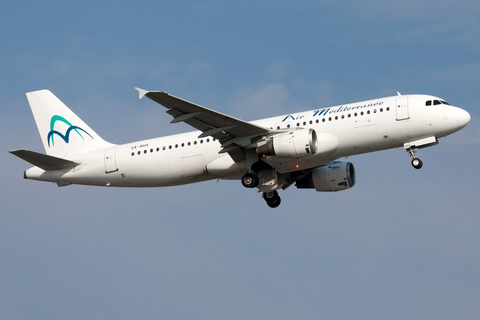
(184, 158)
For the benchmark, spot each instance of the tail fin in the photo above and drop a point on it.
(61, 130)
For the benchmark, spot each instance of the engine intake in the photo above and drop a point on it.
(335, 176)
(295, 145)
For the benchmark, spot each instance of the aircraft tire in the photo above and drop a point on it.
(272, 199)
(250, 180)
(274, 202)
(417, 163)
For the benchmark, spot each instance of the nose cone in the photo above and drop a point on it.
(463, 118)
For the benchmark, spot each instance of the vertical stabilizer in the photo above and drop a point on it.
(62, 131)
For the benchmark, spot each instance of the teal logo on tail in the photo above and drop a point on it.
(65, 137)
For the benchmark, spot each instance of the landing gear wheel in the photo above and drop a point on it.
(250, 180)
(417, 163)
(272, 198)
(274, 203)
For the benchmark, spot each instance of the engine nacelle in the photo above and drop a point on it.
(335, 176)
(296, 144)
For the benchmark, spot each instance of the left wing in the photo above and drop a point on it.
(233, 134)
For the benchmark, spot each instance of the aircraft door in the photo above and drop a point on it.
(110, 161)
(401, 107)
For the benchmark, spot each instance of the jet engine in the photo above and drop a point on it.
(296, 144)
(335, 176)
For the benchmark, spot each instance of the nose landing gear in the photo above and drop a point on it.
(419, 144)
(416, 163)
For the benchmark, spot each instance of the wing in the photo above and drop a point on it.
(233, 134)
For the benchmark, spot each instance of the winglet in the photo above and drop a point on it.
(141, 92)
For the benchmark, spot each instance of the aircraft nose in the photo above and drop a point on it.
(463, 118)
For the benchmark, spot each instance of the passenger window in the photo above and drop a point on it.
(133, 153)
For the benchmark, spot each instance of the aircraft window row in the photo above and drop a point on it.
(436, 102)
(176, 146)
(337, 117)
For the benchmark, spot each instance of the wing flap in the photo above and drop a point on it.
(44, 161)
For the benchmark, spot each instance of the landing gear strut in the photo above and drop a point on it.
(272, 198)
(250, 179)
(416, 163)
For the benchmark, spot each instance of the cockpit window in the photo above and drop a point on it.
(436, 102)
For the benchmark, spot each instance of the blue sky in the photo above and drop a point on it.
(401, 244)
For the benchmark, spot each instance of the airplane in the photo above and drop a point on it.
(269, 154)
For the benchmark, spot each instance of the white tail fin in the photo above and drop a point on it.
(61, 130)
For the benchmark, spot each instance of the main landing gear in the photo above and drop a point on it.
(250, 180)
(272, 198)
(416, 163)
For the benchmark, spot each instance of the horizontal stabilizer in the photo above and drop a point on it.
(44, 161)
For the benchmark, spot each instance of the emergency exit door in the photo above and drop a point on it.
(401, 107)
(110, 161)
